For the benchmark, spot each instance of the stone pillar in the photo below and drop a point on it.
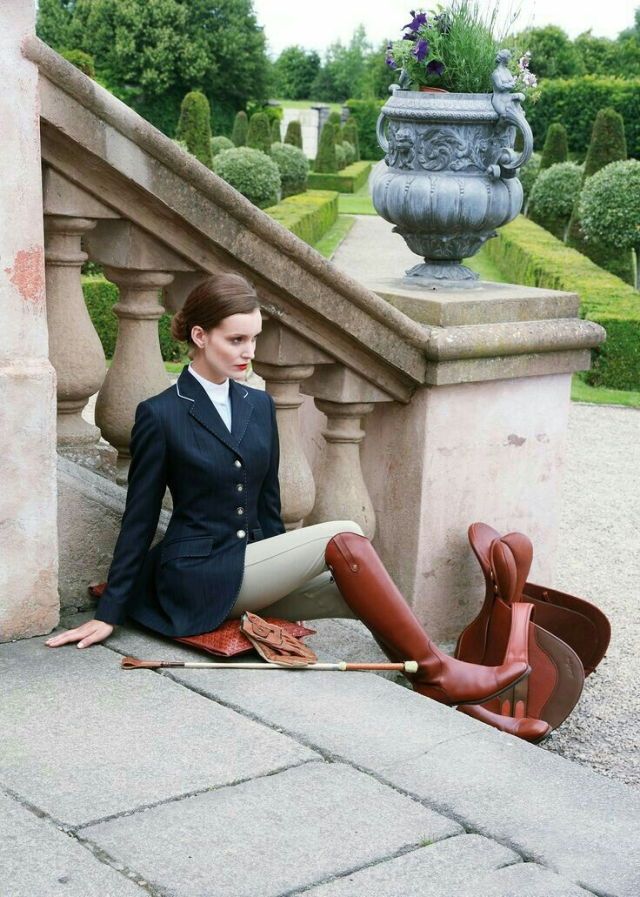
(341, 492)
(285, 361)
(483, 440)
(137, 370)
(28, 532)
(75, 349)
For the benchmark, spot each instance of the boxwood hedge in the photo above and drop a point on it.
(308, 215)
(533, 257)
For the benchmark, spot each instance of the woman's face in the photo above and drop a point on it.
(227, 350)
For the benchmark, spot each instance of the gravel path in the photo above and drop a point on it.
(599, 559)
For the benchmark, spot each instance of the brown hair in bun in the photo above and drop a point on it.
(215, 298)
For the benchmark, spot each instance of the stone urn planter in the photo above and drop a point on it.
(450, 177)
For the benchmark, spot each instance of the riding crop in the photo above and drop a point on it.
(132, 663)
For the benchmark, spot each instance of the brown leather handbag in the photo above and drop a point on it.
(508, 625)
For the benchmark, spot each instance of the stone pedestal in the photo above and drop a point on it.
(484, 440)
(28, 534)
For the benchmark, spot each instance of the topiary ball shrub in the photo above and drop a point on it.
(240, 128)
(293, 166)
(556, 146)
(326, 158)
(341, 158)
(349, 151)
(528, 175)
(294, 134)
(194, 126)
(610, 206)
(553, 195)
(259, 133)
(252, 173)
(218, 144)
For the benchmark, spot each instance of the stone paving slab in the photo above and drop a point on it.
(357, 717)
(431, 871)
(269, 836)
(38, 860)
(565, 817)
(83, 739)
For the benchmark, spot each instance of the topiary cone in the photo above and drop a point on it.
(240, 128)
(556, 148)
(350, 133)
(294, 134)
(194, 126)
(608, 144)
(326, 158)
(259, 134)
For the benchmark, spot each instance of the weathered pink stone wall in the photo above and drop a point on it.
(28, 537)
(490, 451)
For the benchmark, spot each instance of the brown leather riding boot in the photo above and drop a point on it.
(525, 727)
(370, 592)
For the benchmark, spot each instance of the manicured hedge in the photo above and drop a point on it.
(308, 215)
(534, 258)
(576, 102)
(349, 180)
(100, 296)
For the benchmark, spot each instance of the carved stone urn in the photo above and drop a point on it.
(450, 177)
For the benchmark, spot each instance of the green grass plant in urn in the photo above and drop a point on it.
(449, 176)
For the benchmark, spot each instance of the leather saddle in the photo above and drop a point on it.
(563, 638)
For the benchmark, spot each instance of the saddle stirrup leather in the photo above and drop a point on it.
(367, 588)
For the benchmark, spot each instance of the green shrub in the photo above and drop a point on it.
(308, 215)
(81, 60)
(326, 158)
(576, 102)
(365, 114)
(533, 257)
(553, 195)
(100, 295)
(528, 175)
(251, 172)
(294, 134)
(276, 136)
(556, 148)
(335, 118)
(194, 126)
(341, 156)
(259, 133)
(240, 128)
(607, 145)
(349, 180)
(610, 206)
(350, 133)
(218, 144)
(349, 152)
(293, 166)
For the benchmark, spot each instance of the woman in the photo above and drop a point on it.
(214, 443)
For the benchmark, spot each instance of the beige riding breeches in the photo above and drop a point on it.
(287, 575)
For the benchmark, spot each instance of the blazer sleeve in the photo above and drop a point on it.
(147, 484)
(269, 498)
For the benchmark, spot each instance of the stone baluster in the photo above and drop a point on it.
(285, 361)
(137, 370)
(341, 492)
(140, 267)
(75, 349)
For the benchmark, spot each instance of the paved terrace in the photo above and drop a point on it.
(266, 784)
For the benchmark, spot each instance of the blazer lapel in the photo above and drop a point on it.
(203, 409)
(241, 409)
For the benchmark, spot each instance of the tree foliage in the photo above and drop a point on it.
(294, 71)
(152, 54)
(553, 195)
(553, 54)
(610, 205)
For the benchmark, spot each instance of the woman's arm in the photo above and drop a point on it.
(269, 498)
(147, 484)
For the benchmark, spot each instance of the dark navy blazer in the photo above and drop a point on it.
(225, 493)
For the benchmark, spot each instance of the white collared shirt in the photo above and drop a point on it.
(219, 395)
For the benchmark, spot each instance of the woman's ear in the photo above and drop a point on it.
(197, 336)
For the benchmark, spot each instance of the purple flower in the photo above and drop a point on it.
(417, 21)
(435, 67)
(391, 63)
(421, 50)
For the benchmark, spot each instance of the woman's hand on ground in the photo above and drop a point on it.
(90, 633)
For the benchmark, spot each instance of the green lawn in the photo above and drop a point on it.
(328, 244)
(598, 395)
(356, 203)
(308, 104)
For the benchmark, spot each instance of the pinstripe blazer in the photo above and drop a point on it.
(225, 493)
